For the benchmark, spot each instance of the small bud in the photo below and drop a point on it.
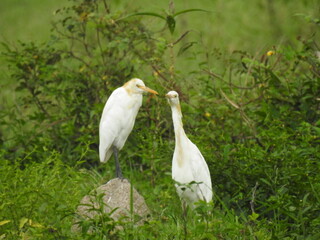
(270, 53)
(207, 114)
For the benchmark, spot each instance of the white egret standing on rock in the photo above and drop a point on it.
(189, 169)
(118, 119)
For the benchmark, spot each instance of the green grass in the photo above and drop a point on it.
(250, 25)
(39, 202)
(27, 20)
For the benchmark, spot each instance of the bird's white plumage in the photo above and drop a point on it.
(117, 121)
(119, 115)
(189, 168)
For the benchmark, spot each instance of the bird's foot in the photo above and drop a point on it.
(121, 178)
(119, 173)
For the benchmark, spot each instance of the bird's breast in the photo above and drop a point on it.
(181, 150)
(126, 122)
(135, 102)
(181, 171)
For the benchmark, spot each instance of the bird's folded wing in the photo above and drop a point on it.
(201, 174)
(113, 102)
(109, 124)
(106, 139)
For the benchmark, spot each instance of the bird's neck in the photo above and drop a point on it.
(179, 133)
(177, 120)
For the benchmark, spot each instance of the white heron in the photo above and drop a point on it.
(118, 119)
(189, 169)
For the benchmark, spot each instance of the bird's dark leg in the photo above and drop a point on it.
(118, 169)
(185, 218)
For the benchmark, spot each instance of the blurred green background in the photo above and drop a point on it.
(250, 25)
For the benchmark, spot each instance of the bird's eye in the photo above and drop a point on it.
(175, 96)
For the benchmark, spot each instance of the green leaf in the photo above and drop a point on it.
(185, 47)
(146, 14)
(37, 225)
(171, 23)
(189, 10)
(4, 222)
(254, 216)
(265, 181)
(22, 222)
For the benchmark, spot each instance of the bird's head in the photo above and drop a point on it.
(136, 85)
(173, 98)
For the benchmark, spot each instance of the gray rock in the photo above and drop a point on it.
(115, 199)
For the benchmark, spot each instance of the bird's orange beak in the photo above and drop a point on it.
(148, 90)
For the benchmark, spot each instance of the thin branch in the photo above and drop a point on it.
(253, 197)
(106, 7)
(179, 39)
(160, 74)
(65, 35)
(231, 84)
(152, 66)
(84, 42)
(100, 46)
(244, 116)
(44, 128)
(32, 91)
(250, 67)
(228, 99)
(277, 61)
(81, 60)
(39, 104)
(55, 123)
(252, 100)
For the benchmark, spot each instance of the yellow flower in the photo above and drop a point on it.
(207, 114)
(82, 68)
(270, 53)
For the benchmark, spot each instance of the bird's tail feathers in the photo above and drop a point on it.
(104, 156)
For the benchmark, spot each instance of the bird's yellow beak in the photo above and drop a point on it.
(168, 96)
(148, 89)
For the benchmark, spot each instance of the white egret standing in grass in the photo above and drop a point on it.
(118, 119)
(189, 169)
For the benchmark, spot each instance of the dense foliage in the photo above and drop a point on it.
(254, 117)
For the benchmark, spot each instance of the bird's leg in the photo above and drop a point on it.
(185, 218)
(184, 210)
(118, 169)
